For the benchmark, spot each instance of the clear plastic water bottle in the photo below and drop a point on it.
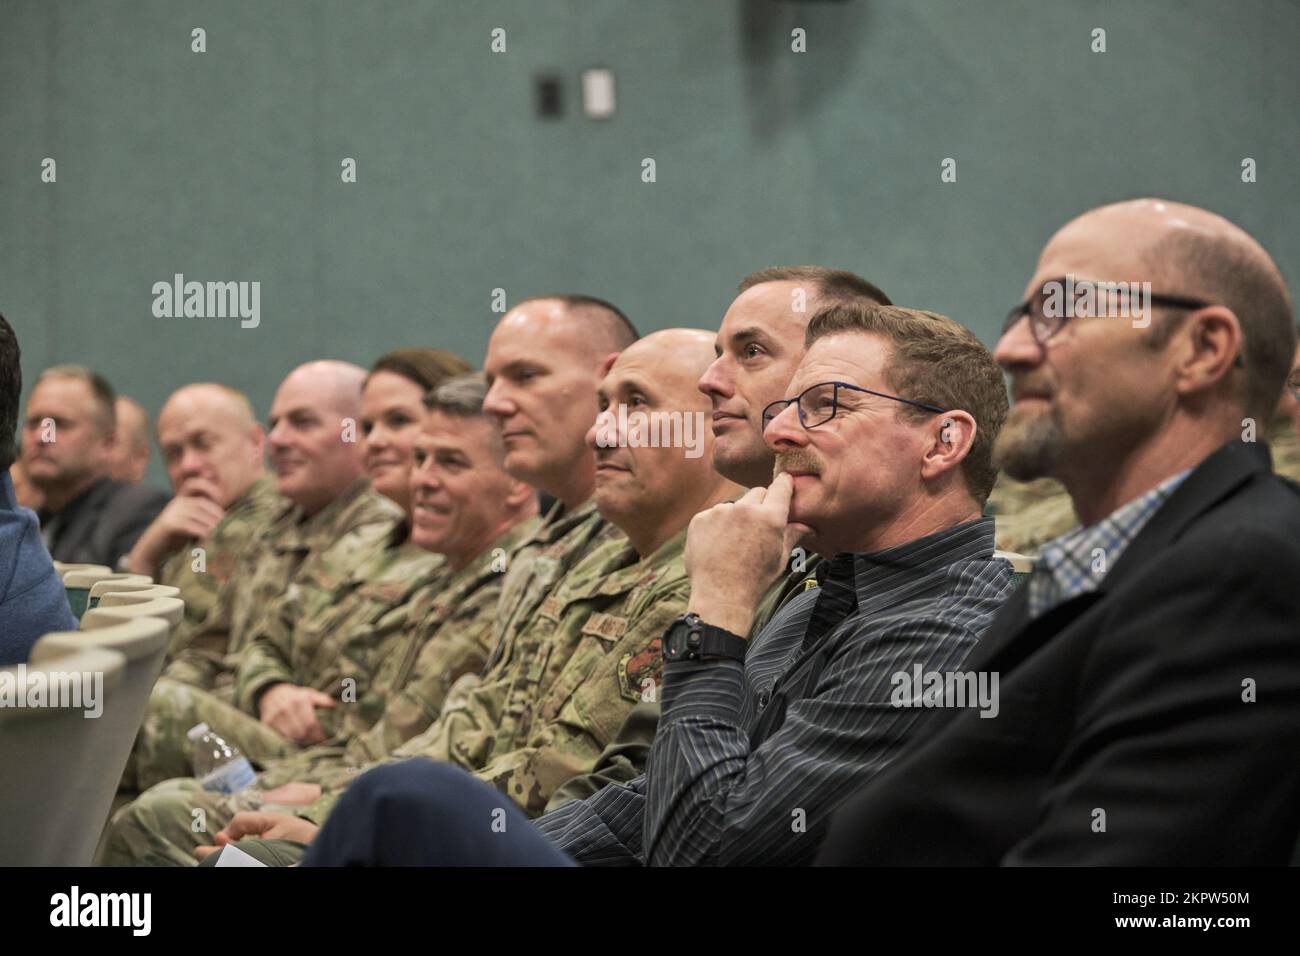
(220, 767)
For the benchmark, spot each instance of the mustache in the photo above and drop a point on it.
(1031, 383)
(797, 460)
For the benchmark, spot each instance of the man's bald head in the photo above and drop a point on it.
(1186, 251)
(1114, 396)
(211, 442)
(669, 357)
(652, 441)
(590, 324)
(209, 401)
(600, 324)
(337, 385)
(544, 359)
(313, 422)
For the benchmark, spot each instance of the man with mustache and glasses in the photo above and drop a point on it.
(883, 452)
(1150, 681)
(592, 650)
(758, 347)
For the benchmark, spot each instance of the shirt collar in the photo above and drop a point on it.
(1077, 561)
(964, 542)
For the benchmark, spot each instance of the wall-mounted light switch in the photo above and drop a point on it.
(598, 93)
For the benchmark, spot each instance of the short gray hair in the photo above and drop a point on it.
(461, 396)
(100, 391)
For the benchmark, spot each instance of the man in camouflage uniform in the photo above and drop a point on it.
(564, 680)
(1286, 447)
(342, 636)
(212, 447)
(330, 523)
(758, 347)
(1029, 513)
(330, 519)
(402, 659)
(543, 353)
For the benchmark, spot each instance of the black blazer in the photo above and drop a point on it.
(102, 524)
(1126, 708)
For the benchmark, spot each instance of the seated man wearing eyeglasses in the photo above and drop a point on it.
(1150, 667)
(883, 461)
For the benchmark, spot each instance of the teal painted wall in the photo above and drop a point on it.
(225, 165)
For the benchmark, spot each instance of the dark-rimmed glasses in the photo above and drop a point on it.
(818, 403)
(1043, 326)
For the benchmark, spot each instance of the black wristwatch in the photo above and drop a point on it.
(689, 639)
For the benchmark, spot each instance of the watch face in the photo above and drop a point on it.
(675, 642)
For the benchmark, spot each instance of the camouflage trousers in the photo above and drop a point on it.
(162, 750)
(163, 825)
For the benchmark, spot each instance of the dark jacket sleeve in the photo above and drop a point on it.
(1188, 717)
(127, 514)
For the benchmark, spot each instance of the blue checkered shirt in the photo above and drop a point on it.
(1075, 563)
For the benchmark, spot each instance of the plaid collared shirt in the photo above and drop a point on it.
(1075, 563)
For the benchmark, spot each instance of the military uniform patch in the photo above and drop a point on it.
(634, 670)
(605, 626)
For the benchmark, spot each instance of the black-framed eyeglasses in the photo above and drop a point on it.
(1042, 325)
(818, 403)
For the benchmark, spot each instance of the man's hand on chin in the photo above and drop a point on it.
(735, 550)
(263, 824)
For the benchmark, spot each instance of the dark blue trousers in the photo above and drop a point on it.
(422, 813)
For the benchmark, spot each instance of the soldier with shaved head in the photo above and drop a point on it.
(577, 665)
(329, 512)
(883, 444)
(212, 446)
(325, 641)
(1150, 686)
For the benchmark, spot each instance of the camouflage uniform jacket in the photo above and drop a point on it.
(245, 519)
(1032, 513)
(340, 627)
(356, 523)
(573, 674)
(449, 635)
(560, 541)
(624, 758)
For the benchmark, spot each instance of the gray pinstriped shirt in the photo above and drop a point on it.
(716, 793)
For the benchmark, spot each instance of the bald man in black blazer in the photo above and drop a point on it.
(1149, 670)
